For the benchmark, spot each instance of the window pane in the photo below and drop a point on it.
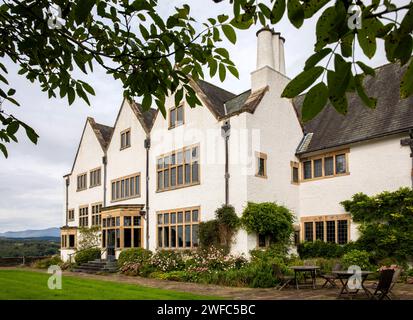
(318, 168)
(187, 236)
(180, 175)
(127, 188)
(180, 217)
(195, 153)
(194, 215)
(195, 235)
(117, 221)
(173, 177)
(195, 172)
(180, 158)
(180, 115)
(166, 178)
(295, 174)
(127, 221)
(166, 237)
(173, 218)
(173, 236)
(138, 184)
(173, 118)
(122, 193)
(127, 238)
(159, 218)
(117, 238)
(319, 230)
(137, 243)
(340, 163)
(307, 170)
(308, 231)
(180, 236)
(160, 180)
(187, 216)
(328, 166)
(342, 231)
(159, 163)
(166, 218)
(132, 186)
(261, 165)
(117, 189)
(187, 156)
(71, 240)
(331, 231)
(160, 237)
(136, 221)
(261, 240)
(187, 173)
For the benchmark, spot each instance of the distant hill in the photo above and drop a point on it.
(44, 233)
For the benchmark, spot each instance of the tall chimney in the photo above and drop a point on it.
(265, 54)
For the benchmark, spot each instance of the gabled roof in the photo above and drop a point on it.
(330, 129)
(224, 104)
(146, 118)
(103, 134)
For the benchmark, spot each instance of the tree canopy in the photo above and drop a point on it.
(154, 56)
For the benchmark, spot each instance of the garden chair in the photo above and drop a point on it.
(382, 288)
(330, 278)
(284, 280)
(397, 272)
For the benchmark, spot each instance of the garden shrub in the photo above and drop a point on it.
(87, 255)
(167, 260)
(359, 258)
(269, 219)
(47, 262)
(385, 223)
(137, 269)
(220, 231)
(134, 255)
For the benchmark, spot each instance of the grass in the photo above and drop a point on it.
(30, 285)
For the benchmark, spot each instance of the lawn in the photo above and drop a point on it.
(30, 285)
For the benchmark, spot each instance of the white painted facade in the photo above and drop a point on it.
(273, 129)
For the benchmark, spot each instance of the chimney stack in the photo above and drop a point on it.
(270, 50)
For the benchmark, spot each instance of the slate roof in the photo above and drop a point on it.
(103, 132)
(146, 118)
(392, 115)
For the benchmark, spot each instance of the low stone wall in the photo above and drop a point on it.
(18, 261)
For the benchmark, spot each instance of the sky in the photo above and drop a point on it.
(31, 183)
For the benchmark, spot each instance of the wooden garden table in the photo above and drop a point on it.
(305, 269)
(344, 277)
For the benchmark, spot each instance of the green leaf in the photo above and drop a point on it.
(312, 6)
(295, 13)
(88, 88)
(403, 50)
(314, 101)
(265, 10)
(346, 45)
(222, 72)
(11, 92)
(12, 128)
(368, 101)
(316, 58)
(146, 102)
(31, 134)
(302, 82)
(406, 83)
(277, 11)
(179, 94)
(367, 42)
(339, 103)
(339, 79)
(222, 18)
(233, 71)
(4, 150)
(229, 33)
(242, 25)
(213, 66)
(222, 52)
(71, 95)
(366, 69)
(83, 9)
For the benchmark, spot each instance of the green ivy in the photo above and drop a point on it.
(270, 219)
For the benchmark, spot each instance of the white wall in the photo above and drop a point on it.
(374, 166)
(89, 157)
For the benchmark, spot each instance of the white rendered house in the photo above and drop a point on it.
(148, 181)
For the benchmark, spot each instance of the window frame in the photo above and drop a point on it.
(295, 166)
(161, 214)
(122, 133)
(176, 123)
(79, 177)
(163, 167)
(84, 216)
(323, 157)
(114, 187)
(264, 157)
(97, 178)
(71, 215)
(326, 218)
(96, 214)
